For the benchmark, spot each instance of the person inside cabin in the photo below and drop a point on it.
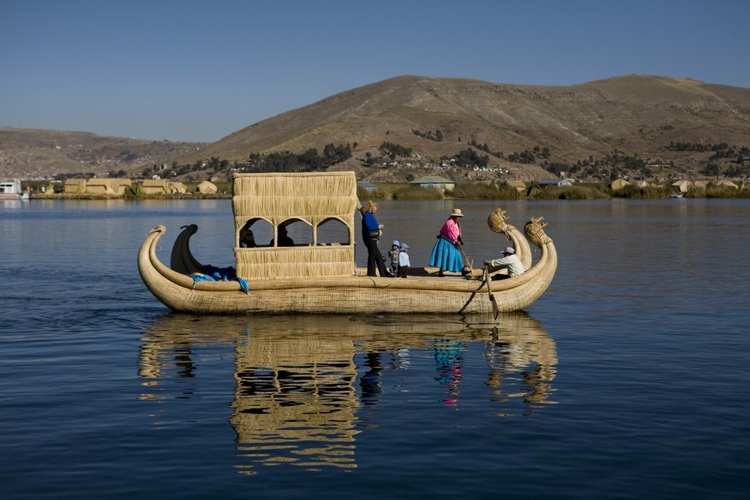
(509, 261)
(403, 261)
(248, 239)
(284, 239)
(393, 254)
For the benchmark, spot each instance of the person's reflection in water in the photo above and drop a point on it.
(537, 383)
(496, 354)
(506, 360)
(370, 381)
(449, 359)
(184, 362)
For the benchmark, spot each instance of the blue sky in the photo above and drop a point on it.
(198, 71)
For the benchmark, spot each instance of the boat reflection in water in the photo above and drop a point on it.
(301, 380)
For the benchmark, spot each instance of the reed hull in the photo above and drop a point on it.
(344, 294)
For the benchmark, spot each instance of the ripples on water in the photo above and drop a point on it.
(625, 379)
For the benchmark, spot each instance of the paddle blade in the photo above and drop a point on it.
(494, 306)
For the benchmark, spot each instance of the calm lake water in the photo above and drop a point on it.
(628, 378)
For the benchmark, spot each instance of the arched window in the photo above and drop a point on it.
(262, 232)
(300, 231)
(333, 231)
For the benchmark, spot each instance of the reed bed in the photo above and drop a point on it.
(635, 192)
(592, 192)
(714, 191)
(400, 191)
(490, 191)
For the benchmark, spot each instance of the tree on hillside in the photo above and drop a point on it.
(394, 150)
(470, 158)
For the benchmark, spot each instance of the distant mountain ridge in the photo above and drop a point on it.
(635, 114)
(38, 153)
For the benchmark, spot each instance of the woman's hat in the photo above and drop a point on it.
(457, 213)
(395, 242)
(404, 246)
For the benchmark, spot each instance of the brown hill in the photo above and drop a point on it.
(35, 153)
(641, 117)
(634, 114)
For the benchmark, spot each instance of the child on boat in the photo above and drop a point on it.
(403, 261)
(393, 253)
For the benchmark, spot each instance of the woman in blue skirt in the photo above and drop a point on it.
(446, 254)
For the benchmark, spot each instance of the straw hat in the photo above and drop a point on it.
(457, 213)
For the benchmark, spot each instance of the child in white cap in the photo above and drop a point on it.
(403, 261)
(393, 253)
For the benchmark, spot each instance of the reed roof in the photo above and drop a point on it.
(206, 187)
(312, 197)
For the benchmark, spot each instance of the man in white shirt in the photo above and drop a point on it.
(509, 261)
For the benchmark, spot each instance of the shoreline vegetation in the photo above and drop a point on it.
(533, 191)
(465, 191)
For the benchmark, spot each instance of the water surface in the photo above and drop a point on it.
(627, 378)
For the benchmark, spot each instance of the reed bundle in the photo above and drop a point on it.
(312, 197)
(297, 261)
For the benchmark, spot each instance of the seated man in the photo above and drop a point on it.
(509, 261)
(284, 239)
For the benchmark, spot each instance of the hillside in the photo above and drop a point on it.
(638, 126)
(637, 115)
(35, 153)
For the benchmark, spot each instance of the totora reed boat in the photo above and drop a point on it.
(321, 277)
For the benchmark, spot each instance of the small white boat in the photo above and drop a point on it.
(10, 189)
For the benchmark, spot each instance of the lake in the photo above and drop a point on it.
(628, 378)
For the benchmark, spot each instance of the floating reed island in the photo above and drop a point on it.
(321, 277)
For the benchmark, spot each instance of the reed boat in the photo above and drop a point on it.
(321, 277)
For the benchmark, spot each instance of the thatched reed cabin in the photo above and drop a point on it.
(155, 186)
(729, 184)
(618, 184)
(75, 186)
(682, 186)
(311, 199)
(177, 188)
(108, 187)
(206, 187)
(519, 186)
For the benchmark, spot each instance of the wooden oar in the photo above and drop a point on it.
(488, 280)
(466, 259)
